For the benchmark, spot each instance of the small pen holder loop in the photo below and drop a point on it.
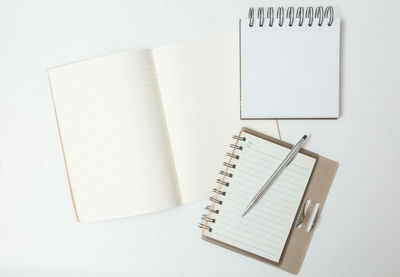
(308, 215)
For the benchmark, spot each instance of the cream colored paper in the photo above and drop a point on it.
(120, 114)
(200, 89)
(114, 136)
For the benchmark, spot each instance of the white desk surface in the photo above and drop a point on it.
(358, 232)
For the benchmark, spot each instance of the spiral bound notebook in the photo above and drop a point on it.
(279, 227)
(290, 63)
(142, 130)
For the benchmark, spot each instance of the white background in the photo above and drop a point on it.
(358, 232)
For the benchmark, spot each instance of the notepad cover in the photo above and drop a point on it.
(290, 71)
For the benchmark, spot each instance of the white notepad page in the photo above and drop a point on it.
(114, 136)
(265, 228)
(290, 71)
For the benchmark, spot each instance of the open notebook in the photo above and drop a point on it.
(279, 227)
(143, 130)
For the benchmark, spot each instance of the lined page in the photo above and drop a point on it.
(199, 84)
(265, 228)
(114, 136)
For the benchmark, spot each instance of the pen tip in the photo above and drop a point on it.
(305, 136)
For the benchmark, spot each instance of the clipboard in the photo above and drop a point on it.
(315, 194)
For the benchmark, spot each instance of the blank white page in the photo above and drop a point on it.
(265, 228)
(199, 84)
(114, 136)
(290, 71)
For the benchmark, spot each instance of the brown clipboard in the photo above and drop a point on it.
(299, 238)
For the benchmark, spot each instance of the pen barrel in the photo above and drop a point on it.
(288, 159)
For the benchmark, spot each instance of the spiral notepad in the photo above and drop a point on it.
(290, 63)
(265, 228)
(279, 227)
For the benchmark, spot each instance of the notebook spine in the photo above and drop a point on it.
(216, 201)
(266, 16)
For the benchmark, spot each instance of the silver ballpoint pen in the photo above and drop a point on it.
(277, 172)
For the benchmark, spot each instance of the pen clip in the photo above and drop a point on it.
(298, 146)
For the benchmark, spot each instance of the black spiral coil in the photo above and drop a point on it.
(319, 14)
(229, 165)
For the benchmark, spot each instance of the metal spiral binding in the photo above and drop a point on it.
(251, 17)
(229, 165)
(280, 15)
(210, 209)
(221, 182)
(215, 200)
(206, 218)
(205, 227)
(239, 138)
(320, 14)
(310, 15)
(300, 15)
(290, 15)
(233, 155)
(218, 192)
(234, 146)
(226, 174)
